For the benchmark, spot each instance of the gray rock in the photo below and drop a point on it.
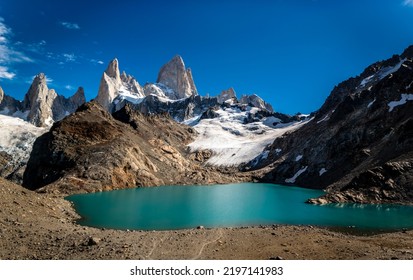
(174, 76)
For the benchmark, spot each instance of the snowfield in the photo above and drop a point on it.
(17, 138)
(232, 142)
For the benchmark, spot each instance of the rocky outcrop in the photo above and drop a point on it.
(113, 85)
(41, 106)
(39, 101)
(63, 106)
(175, 76)
(92, 151)
(256, 101)
(9, 105)
(109, 85)
(227, 96)
(359, 144)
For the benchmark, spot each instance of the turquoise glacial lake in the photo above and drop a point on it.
(233, 205)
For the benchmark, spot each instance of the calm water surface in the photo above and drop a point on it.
(246, 204)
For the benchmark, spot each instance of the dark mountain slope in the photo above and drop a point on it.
(360, 143)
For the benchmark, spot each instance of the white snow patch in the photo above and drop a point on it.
(262, 156)
(278, 151)
(298, 158)
(390, 69)
(253, 110)
(299, 172)
(322, 171)
(49, 121)
(382, 73)
(271, 121)
(125, 94)
(371, 103)
(409, 85)
(231, 141)
(404, 98)
(17, 138)
(324, 119)
(366, 80)
(192, 121)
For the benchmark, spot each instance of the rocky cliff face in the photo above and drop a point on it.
(9, 105)
(113, 84)
(359, 144)
(92, 151)
(41, 106)
(227, 96)
(175, 76)
(39, 101)
(179, 110)
(256, 101)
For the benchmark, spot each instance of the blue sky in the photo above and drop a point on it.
(291, 53)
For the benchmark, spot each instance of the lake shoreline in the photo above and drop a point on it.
(43, 226)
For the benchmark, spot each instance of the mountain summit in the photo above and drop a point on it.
(41, 106)
(175, 76)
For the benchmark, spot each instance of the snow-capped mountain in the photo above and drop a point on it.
(231, 131)
(41, 106)
(113, 86)
(174, 82)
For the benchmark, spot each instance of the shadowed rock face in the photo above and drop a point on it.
(92, 151)
(359, 144)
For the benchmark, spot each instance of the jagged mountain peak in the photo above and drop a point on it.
(113, 69)
(175, 76)
(114, 85)
(256, 101)
(227, 95)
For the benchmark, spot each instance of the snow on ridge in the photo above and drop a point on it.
(231, 141)
(382, 73)
(322, 171)
(323, 119)
(371, 103)
(298, 158)
(17, 137)
(404, 98)
(296, 175)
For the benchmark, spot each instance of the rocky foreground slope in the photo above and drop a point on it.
(359, 146)
(92, 150)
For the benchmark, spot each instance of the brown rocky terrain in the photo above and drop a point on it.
(92, 150)
(42, 226)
